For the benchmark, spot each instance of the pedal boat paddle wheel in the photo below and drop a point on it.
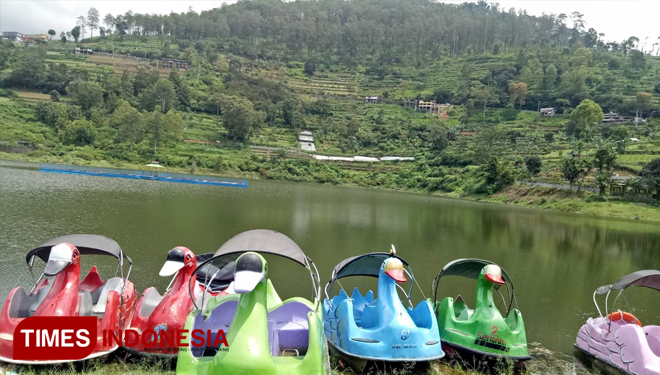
(363, 328)
(483, 332)
(617, 338)
(265, 335)
(60, 292)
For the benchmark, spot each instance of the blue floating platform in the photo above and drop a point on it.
(144, 175)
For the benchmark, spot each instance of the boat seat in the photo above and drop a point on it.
(91, 282)
(273, 338)
(461, 310)
(116, 284)
(19, 305)
(85, 307)
(221, 318)
(38, 297)
(149, 303)
(370, 316)
(293, 336)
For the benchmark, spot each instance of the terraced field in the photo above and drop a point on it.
(341, 85)
(121, 65)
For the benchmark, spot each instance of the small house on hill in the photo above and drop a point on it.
(371, 99)
(83, 51)
(13, 36)
(430, 106)
(547, 112)
(171, 63)
(615, 118)
(621, 186)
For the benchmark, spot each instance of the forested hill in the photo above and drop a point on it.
(410, 31)
(427, 49)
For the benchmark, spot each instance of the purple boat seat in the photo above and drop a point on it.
(289, 328)
(220, 318)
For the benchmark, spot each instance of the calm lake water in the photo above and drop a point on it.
(556, 260)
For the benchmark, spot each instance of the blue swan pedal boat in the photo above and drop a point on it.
(362, 328)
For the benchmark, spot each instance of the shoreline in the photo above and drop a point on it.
(519, 196)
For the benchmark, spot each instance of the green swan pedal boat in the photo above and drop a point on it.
(264, 334)
(482, 332)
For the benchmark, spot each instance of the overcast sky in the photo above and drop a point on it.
(617, 19)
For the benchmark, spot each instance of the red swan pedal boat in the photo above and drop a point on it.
(167, 314)
(59, 291)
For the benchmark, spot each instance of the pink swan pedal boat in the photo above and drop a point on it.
(619, 339)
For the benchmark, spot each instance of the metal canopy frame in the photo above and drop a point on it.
(366, 271)
(87, 244)
(471, 268)
(261, 241)
(645, 278)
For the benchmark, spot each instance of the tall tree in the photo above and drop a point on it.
(29, 70)
(129, 123)
(161, 127)
(63, 37)
(52, 33)
(93, 20)
(109, 22)
(75, 32)
(587, 114)
(164, 92)
(642, 103)
(550, 76)
(517, 93)
(238, 117)
(79, 132)
(82, 22)
(86, 94)
(650, 174)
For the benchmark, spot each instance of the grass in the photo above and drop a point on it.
(113, 365)
(571, 201)
(31, 95)
(103, 366)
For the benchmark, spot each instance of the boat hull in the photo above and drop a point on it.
(397, 337)
(623, 345)
(64, 299)
(485, 334)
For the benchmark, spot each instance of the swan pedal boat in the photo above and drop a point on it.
(60, 292)
(363, 328)
(482, 332)
(168, 313)
(618, 339)
(265, 335)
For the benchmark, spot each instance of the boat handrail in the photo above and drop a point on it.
(404, 293)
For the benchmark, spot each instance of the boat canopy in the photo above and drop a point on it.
(259, 241)
(471, 269)
(362, 265)
(263, 241)
(645, 278)
(87, 244)
(214, 278)
(366, 265)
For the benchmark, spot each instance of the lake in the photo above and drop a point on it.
(555, 260)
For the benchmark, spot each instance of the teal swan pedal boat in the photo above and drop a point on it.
(363, 329)
(482, 332)
(265, 335)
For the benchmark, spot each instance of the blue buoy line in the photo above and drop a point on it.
(144, 175)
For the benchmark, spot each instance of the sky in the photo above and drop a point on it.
(617, 19)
